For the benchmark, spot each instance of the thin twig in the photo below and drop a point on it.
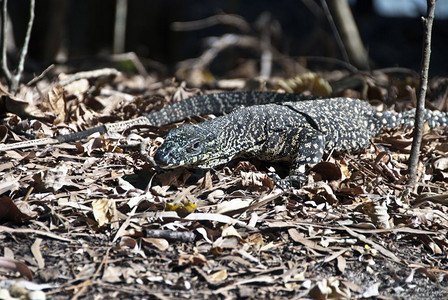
(331, 60)
(4, 34)
(38, 78)
(14, 80)
(226, 19)
(17, 77)
(34, 231)
(420, 109)
(335, 31)
(219, 44)
(226, 41)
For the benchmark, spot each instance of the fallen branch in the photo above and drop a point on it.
(182, 236)
(106, 72)
(33, 231)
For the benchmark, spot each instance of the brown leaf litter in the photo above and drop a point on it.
(95, 218)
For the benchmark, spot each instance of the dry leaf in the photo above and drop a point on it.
(298, 237)
(112, 274)
(342, 263)
(218, 277)
(97, 143)
(127, 242)
(16, 266)
(78, 87)
(206, 182)
(57, 177)
(215, 196)
(328, 171)
(311, 82)
(441, 164)
(176, 177)
(54, 102)
(3, 133)
(35, 249)
(378, 212)
(230, 231)
(371, 291)
(191, 259)
(233, 205)
(19, 106)
(255, 240)
(104, 211)
(226, 242)
(8, 184)
(256, 179)
(320, 291)
(160, 244)
(9, 212)
(330, 288)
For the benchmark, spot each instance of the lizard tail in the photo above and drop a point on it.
(219, 103)
(433, 118)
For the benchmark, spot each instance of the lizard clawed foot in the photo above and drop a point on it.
(289, 182)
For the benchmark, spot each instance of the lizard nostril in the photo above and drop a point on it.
(165, 156)
(160, 158)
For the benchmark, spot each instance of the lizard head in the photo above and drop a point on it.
(191, 146)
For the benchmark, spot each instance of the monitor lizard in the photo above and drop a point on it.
(296, 132)
(218, 103)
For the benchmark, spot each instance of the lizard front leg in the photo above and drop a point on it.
(310, 146)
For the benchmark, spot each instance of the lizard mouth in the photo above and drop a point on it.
(211, 163)
(167, 160)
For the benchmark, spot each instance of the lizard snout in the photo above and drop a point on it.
(164, 157)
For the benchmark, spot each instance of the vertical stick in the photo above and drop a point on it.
(14, 80)
(420, 109)
(18, 76)
(4, 34)
(121, 9)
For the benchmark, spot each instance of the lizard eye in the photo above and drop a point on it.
(194, 146)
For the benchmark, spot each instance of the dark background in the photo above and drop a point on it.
(82, 29)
